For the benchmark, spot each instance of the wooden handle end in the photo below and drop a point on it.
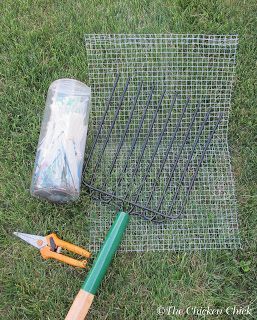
(80, 306)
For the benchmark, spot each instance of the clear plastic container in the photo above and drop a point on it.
(60, 152)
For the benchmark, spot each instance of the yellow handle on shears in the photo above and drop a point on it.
(68, 246)
(47, 253)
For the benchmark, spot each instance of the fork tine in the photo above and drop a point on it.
(110, 129)
(209, 139)
(167, 152)
(196, 141)
(102, 120)
(186, 136)
(133, 144)
(157, 145)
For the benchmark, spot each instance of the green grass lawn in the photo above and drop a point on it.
(42, 41)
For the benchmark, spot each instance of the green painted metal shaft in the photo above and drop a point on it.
(106, 253)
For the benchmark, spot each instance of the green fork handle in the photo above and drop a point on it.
(85, 296)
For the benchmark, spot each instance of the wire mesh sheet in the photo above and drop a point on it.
(197, 66)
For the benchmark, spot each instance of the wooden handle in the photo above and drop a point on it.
(80, 306)
(84, 298)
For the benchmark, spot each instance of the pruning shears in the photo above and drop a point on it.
(50, 247)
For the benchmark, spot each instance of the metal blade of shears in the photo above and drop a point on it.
(36, 241)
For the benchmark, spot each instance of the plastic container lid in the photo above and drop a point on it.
(70, 86)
